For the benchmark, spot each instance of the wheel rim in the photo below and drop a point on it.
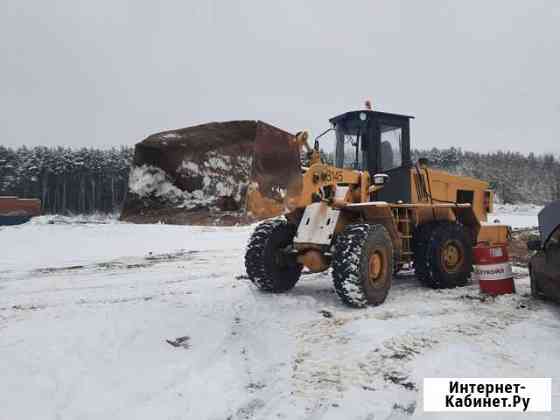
(451, 256)
(376, 268)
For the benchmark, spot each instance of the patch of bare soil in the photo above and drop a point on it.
(178, 216)
(123, 264)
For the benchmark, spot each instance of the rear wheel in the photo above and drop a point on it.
(363, 265)
(421, 239)
(265, 261)
(443, 255)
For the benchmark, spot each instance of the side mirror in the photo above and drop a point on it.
(534, 245)
(423, 161)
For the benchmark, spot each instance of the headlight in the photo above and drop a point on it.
(380, 179)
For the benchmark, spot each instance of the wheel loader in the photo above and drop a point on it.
(367, 212)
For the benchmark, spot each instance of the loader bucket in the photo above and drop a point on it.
(216, 173)
(276, 172)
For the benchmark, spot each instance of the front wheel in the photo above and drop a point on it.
(267, 265)
(363, 265)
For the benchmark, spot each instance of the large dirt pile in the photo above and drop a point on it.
(201, 174)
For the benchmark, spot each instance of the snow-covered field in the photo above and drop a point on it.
(516, 215)
(121, 321)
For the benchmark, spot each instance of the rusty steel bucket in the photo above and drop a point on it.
(246, 169)
(276, 172)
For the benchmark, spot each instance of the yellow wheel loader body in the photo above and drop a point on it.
(377, 209)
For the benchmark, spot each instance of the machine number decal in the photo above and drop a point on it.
(333, 175)
(329, 176)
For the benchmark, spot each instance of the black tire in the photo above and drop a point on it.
(444, 260)
(360, 251)
(420, 241)
(266, 267)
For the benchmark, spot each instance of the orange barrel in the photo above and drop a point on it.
(492, 269)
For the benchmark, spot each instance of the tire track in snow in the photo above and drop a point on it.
(328, 363)
(257, 331)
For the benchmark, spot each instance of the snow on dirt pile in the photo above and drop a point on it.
(146, 181)
(200, 192)
(121, 321)
(219, 178)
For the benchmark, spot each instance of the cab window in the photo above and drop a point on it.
(327, 148)
(346, 146)
(391, 147)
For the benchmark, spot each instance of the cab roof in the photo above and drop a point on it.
(353, 115)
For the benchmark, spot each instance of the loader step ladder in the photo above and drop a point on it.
(402, 217)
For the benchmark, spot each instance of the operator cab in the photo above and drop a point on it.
(377, 142)
(370, 140)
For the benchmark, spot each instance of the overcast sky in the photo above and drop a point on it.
(480, 75)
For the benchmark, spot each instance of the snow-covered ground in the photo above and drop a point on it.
(121, 321)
